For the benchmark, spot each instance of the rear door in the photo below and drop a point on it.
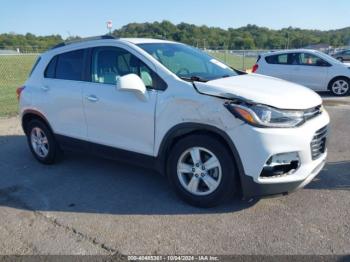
(59, 96)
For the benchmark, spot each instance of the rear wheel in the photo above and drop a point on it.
(42, 142)
(202, 170)
(340, 86)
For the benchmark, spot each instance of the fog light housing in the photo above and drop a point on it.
(281, 165)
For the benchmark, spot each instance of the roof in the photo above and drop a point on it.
(111, 38)
(145, 40)
(290, 51)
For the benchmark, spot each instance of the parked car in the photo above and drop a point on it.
(342, 56)
(213, 130)
(309, 68)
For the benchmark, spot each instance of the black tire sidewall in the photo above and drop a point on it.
(51, 156)
(229, 182)
(337, 79)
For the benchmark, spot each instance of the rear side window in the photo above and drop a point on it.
(67, 66)
(70, 65)
(277, 59)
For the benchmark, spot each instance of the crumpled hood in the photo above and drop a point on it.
(263, 90)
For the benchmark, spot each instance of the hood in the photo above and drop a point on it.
(263, 90)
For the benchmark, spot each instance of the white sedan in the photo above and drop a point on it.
(310, 68)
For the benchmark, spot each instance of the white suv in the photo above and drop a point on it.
(212, 129)
(310, 68)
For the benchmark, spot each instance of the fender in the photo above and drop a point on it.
(30, 114)
(183, 129)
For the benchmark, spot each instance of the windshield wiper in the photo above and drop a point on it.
(193, 78)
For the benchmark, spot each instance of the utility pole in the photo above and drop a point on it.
(109, 26)
(287, 43)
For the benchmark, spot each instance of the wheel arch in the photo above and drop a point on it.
(184, 129)
(29, 115)
(335, 78)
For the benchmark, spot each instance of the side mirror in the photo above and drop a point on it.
(133, 83)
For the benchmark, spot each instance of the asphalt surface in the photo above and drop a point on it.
(87, 205)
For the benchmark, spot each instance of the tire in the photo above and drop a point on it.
(223, 175)
(41, 142)
(340, 86)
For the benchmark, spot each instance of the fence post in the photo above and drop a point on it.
(243, 60)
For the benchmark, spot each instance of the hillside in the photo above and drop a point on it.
(248, 37)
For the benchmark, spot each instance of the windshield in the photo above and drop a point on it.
(187, 62)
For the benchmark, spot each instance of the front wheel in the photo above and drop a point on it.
(202, 170)
(340, 86)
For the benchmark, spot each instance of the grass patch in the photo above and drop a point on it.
(235, 60)
(14, 70)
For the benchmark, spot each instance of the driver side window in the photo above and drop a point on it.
(311, 60)
(110, 63)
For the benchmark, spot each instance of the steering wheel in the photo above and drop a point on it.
(183, 70)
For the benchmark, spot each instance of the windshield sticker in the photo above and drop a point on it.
(218, 63)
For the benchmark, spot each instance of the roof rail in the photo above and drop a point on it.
(101, 37)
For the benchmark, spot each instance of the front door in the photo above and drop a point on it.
(119, 118)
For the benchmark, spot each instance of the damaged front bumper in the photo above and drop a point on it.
(280, 160)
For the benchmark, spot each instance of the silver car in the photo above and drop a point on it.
(342, 55)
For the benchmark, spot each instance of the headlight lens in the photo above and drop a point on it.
(265, 116)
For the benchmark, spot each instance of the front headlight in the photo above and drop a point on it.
(266, 116)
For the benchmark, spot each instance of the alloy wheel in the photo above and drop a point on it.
(340, 87)
(199, 171)
(39, 142)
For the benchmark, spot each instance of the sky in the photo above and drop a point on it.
(89, 17)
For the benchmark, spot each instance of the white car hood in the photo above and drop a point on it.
(263, 90)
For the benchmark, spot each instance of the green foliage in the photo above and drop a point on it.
(28, 42)
(248, 37)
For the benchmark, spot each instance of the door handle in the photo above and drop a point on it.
(92, 98)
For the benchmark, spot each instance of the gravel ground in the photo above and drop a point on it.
(87, 205)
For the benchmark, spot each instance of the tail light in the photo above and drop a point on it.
(19, 91)
(255, 68)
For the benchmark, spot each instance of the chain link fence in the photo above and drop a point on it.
(15, 65)
(14, 70)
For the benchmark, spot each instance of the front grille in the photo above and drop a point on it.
(318, 143)
(312, 112)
